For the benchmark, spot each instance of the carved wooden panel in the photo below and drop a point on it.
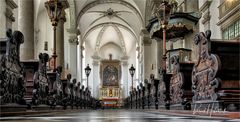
(40, 79)
(204, 83)
(12, 71)
(176, 82)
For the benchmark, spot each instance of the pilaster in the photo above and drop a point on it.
(125, 72)
(26, 26)
(6, 8)
(73, 42)
(60, 40)
(96, 77)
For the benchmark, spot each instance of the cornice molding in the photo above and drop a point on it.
(11, 4)
(205, 5)
(233, 13)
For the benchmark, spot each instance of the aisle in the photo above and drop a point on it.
(110, 116)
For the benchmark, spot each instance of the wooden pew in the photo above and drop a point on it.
(215, 77)
(180, 84)
(229, 92)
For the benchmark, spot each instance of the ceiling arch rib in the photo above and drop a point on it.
(95, 3)
(120, 35)
(99, 37)
(85, 35)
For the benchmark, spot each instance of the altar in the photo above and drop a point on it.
(110, 88)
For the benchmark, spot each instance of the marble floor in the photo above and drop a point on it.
(112, 116)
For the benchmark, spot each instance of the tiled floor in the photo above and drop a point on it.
(111, 116)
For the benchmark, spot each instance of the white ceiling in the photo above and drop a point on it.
(99, 28)
(113, 23)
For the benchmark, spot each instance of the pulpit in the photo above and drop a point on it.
(110, 88)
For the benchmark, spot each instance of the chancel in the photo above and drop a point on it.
(119, 60)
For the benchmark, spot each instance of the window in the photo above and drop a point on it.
(225, 34)
(238, 27)
(233, 31)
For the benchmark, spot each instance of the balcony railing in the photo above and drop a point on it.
(227, 6)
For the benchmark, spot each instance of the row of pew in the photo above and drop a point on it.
(212, 81)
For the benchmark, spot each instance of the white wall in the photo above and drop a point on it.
(214, 14)
(216, 31)
(43, 32)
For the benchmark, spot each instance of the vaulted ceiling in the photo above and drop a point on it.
(109, 23)
(116, 23)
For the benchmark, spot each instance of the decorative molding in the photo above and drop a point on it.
(124, 63)
(206, 17)
(11, 4)
(73, 33)
(73, 41)
(96, 56)
(145, 37)
(95, 63)
(234, 12)
(205, 5)
(9, 14)
(125, 57)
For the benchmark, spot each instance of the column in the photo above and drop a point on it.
(147, 54)
(96, 78)
(159, 58)
(26, 26)
(79, 62)
(125, 80)
(60, 40)
(73, 42)
(6, 19)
